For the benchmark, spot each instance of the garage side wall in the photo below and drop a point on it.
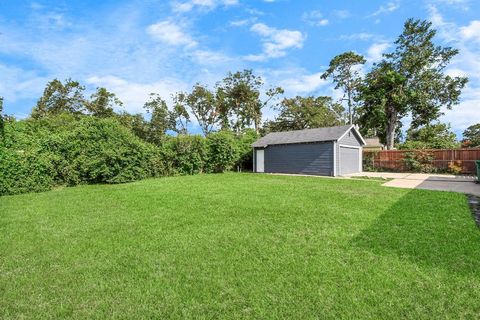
(301, 158)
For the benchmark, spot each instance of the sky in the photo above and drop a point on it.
(134, 48)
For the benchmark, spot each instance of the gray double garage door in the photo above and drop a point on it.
(310, 158)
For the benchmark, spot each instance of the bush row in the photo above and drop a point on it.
(36, 155)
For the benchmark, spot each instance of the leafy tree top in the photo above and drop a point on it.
(471, 136)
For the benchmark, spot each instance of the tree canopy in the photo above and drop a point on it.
(471, 136)
(409, 80)
(306, 112)
(344, 69)
(102, 103)
(432, 136)
(2, 125)
(59, 97)
(159, 118)
(201, 102)
(239, 102)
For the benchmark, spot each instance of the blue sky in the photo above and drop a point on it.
(137, 47)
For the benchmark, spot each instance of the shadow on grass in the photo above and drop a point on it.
(433, 229)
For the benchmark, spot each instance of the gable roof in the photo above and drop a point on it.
(306, 135)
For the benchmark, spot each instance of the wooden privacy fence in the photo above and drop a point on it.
(441, 159)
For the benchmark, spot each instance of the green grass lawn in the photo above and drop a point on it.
(239, 246)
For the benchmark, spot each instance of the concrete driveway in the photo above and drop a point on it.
(442, 182)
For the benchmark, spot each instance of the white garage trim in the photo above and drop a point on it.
(360, 163)
(335, 158)
(352, 127)
(347, 146)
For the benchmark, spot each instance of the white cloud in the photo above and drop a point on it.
(342, 14)
(386, 9)
(17, 84)
(466, 113)
(243, 22)
(304, 84)
(323, 22)
(239, 23)
(116, 51)
(187, 6)
(361, 36)
(170, 33)
(472, 31)
(134, 94)
(315, 18)
(466, 63)
(376, 50)
(208, 57)
(276, 42)
(459, 4)
(296, 81)
(453, 2)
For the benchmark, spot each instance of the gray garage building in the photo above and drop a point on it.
(331, 151)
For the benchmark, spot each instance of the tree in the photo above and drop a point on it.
(102, 103)
(222, 151)
(238, 100)
(2, 124)
(432, 136)
(244, 142)
(471, 136)
(385, 102)
(410, 80)
(160, 118)
(179, 117)
(60, 97)
(303, 113)
(202, 104)
(136, 123)
(345, 73)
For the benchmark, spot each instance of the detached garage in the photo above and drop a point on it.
(331, 151)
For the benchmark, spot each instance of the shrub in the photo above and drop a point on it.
(455, 167)
(103, 151)
(244, 147)
(38, 155)
(185, 154)
(25, 164)
(368, 161)
(419, 161)
(222, 151)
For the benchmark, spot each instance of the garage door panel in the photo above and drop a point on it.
(312, 158)
(349, 160)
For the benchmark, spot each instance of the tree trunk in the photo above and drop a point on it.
(256, 123)
(391, 128)
(350, 116)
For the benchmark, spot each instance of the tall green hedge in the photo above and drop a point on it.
(102, 151)
(37, 155)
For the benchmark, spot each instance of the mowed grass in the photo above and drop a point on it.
(239, 246)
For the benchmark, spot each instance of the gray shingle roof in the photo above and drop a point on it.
(302, 136)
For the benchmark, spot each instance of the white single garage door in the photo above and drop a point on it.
(350, 160)
(260, 160)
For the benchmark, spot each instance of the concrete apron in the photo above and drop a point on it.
(441, 182)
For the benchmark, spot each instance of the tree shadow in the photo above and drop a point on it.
(433, 229)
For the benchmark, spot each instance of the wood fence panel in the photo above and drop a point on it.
(442, 158)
